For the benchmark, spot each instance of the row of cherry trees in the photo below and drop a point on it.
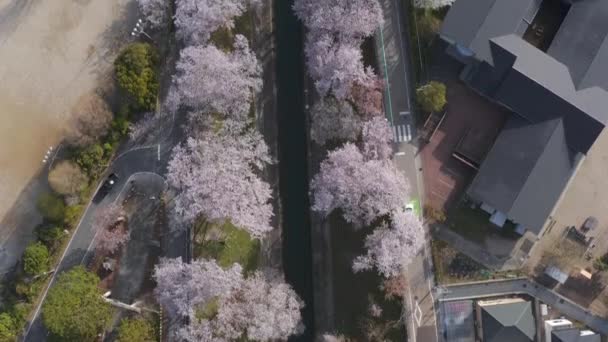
(216, 176)
(358, 178)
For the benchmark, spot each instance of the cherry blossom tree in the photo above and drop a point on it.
(334, 120)
(182, 287)
(112, 238)
(351, 19)
(433, 4)
(260, 310)
(367, 96)
(334, 65)
(197, 19)
(156, 12)
(109, 224)
(377, 138)
(217, 177)
(363, 189)
(391, 248)
(213, 81)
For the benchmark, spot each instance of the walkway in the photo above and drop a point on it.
(392, 46)
(525, 286)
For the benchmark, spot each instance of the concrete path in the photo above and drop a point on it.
(526, 286)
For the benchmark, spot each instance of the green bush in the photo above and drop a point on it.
(431, 96)
(72, 215)
(51, 207)
(135, 330)
(74, 309)
(49, 235)
(8, 328)
(36, 259)
(29, 290)
(135, 70)
(91, 159)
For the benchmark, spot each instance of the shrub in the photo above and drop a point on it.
(8, 328)
(72, 215)
(434, 215)
(91, 159)
(74, 309)
(67, 178)
(49, 235)
(36, 259)
(51, 207)
(135, 330)
(135, 70)
(431, 96)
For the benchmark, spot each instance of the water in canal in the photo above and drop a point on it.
(297, 255)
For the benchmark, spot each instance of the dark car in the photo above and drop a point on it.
(107, 185)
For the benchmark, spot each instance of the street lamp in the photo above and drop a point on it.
(139, 29)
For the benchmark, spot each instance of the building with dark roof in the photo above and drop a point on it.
(506, 320)
(547, 62)
(574, 335)
(562, 330)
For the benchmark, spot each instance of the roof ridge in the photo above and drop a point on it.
(519, 319)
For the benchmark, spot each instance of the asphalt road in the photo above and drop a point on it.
(392, 43)
(505, 287)
(146, 159)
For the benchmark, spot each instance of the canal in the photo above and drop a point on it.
(293, 165)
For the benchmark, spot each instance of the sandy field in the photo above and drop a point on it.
(51, 53)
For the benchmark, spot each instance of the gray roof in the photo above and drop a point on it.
(511, 322)
(526, 170)
(573, 335)
(538, 88)
(582, 43)
(472, 23)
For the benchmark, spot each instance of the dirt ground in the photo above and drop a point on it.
(585, 196)
(51, 53)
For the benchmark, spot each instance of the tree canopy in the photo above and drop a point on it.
(67, 178)
(135, 330)
(51, 207)
(135, 70)
(74, 309)
(431, 96)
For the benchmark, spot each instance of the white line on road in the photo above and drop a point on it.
(409, 294)
(158, 152)
(29, 327)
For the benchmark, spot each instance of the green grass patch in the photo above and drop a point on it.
(227, 244)
(223, 37)
(474, 224)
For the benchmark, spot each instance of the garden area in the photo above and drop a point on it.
(227, 244)
(451, 266)
(474, 224)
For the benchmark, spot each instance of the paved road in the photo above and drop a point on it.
(147, 159)
(393, 56)
(522, 285)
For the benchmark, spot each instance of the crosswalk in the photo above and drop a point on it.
(402, 133)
